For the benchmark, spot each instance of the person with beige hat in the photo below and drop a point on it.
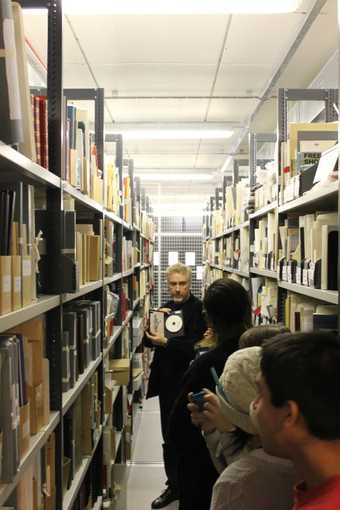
(252, 479)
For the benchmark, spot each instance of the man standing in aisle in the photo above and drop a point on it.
(171, 359)
(297, 413)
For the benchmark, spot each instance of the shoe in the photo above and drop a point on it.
(167, 497)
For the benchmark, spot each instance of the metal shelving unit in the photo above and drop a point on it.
(328, 296)
(319, 198)
(14, 168)
(70, 396)
(71, 494)
(36, 443)
(263, 272)
(43, 305)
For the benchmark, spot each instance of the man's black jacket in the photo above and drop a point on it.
(170, 362)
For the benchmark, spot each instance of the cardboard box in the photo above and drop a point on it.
(25, 431)
(73, 167)
(46, 390)
(5, 285)
(16, 283)
(26, 280)
(35, 397)
(121, 370)
(94, 260)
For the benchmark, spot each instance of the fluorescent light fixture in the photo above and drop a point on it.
(173, 177)
(179, 7)
(175, 134)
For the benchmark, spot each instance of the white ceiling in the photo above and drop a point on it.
(188, 56)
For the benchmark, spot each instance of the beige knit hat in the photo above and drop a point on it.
(238, 381)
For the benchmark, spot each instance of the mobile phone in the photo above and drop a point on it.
(218, 384)
(198, 400)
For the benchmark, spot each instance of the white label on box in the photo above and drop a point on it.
(305, 277)
(311, 274)
(289, 274)
(26, 268)
(6, 284)
(298, 275)
(190, 258)
(17, 285)
(26, 428)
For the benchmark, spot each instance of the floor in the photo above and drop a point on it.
(146, 475)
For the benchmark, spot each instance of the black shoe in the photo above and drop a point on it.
(167, 497)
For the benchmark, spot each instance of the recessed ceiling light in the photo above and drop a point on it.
(175, 134)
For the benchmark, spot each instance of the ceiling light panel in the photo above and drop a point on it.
(180, 7)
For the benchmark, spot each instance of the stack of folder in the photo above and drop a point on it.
(81, 339)
(309, 250)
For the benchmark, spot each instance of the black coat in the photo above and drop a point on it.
(197, 473)
(170, 362)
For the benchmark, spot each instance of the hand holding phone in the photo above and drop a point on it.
(198, 400)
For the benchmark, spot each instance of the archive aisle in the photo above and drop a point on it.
(76, 239)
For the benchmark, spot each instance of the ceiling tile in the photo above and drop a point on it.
(151, 39)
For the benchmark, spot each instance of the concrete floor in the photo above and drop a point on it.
(146, 476)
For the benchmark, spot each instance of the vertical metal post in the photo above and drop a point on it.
(331, 100)
(252, 159)
(235, 172)
(55, 88)
(99, 126)
(119, 165)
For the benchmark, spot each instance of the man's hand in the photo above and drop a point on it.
(157, 340)
(165, 310)
(213, 413)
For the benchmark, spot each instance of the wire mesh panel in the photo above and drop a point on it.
(178, 240)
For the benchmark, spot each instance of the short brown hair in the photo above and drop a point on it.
(258, 334)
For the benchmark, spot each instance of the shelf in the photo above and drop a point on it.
(325, 198)
(146, 238)
(98, 504)
(113, 338)
(118, 437)
(145, 266)
(127, 226)
(70, 396)
(136, 303)
(264, 272)
(14, 166)
(137, 266)
(113, 278)
(83, 199)
(231, 230)
(36, 443)
(112, 216)
(264, 210)
(136, 228)
(127, 273)
(71, 494)
(329, 296)
(43, 304)
(128, 318)
(243, 274)
(84, 289)
(226, 269)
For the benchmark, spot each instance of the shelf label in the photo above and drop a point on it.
(26, 268)
(298, 275)
(6, 284)
(305, 277)
(17, 284)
